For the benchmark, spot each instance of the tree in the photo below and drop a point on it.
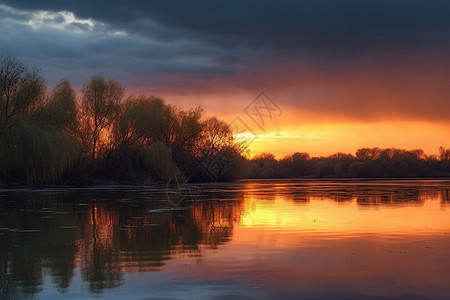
(100, 105)
(216, 138)
(30, 154)
(188, 135)
(139, 154)
(20, 89)
(263, 166)
(295, 165)
(140, 121)
(60, 110)
(444, 154)
(368, 153)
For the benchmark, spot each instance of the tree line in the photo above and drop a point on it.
(53, 137)
(100, 136)
(366, 163)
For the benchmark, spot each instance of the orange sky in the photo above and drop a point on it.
(398, 100)
(324, 132)
(325, 139)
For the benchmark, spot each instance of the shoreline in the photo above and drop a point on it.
(165, 186)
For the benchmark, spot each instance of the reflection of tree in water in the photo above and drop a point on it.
(104, 238)
(445, 196)
(393, 195)
(97, 249)
(118, 238)
(33, 245)
(372, 194)
(61, 258)
(364, 193)
(216, 220)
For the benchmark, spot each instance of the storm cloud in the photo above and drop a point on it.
(286, 25)
(355, 59)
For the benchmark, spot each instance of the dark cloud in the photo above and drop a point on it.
(79, 48)
(324, 25)
(340, 57)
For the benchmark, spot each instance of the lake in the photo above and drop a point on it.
(298, 239)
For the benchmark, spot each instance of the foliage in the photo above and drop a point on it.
(60, 109)
(140, 121)
(33, 155)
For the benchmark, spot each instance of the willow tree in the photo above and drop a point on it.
(140, 121)
(187, 135)
(20, 89)
(100, 107)
(32, 155)
(216, 139)
(138, 131)
(60, 109)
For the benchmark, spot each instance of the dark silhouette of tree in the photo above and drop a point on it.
(188, 135)
(263, 166)
(100, 107)
(60, 109)
(140, 121)
(367, 163)
(20, 89)
(296, 164)
(444, 154)
(216, 138)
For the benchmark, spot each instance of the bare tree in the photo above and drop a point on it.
(100, 105)
(20, 88)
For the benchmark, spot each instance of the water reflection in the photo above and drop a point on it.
(271, 234)
(104, 237)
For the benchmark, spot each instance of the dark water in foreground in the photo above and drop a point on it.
(254, 239)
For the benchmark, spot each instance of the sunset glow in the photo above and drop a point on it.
(325, 139)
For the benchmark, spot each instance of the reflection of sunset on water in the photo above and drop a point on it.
(354, 216)
(375, 242)
(281, 237)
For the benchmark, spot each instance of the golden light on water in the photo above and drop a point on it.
(322, 215)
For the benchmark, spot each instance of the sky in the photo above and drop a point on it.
(335, 75)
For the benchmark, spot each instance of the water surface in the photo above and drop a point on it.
(252, 239)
